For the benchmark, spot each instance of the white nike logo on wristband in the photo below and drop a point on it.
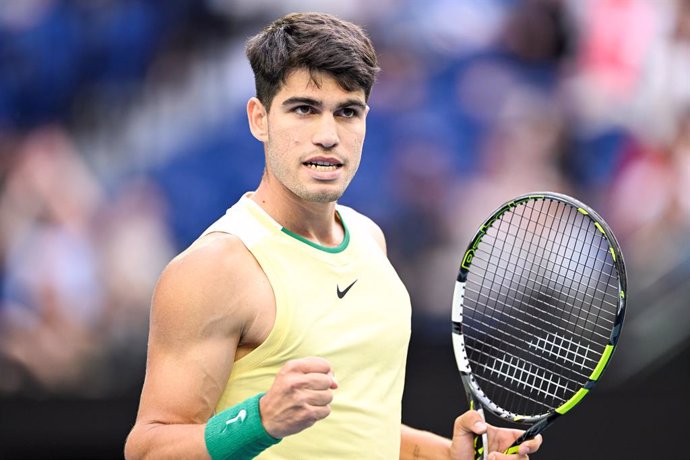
(240, 416)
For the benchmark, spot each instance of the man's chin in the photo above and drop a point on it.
(326, 196)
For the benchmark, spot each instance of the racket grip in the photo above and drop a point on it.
(512, 450)
(480, 441)
(516, 445)
(529, 434)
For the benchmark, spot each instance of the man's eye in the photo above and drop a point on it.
(349, 112)
(303, 110)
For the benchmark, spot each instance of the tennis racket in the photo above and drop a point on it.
(537, 310)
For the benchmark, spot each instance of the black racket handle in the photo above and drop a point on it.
(530, 433)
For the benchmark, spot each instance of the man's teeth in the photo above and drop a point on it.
(321, 166)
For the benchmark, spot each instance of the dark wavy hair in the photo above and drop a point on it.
(317, 42)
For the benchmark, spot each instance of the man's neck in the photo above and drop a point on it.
(315, 221)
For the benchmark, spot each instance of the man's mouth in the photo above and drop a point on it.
(319, 165)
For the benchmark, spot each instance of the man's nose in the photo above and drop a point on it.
(326, 134)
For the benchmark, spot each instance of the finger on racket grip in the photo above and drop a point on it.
(472, 423)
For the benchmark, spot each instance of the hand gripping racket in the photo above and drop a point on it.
(537, 310)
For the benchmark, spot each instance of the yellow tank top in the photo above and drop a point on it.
(345, 304)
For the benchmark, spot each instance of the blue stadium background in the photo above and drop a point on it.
(123, 135)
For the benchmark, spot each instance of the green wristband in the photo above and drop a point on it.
(237, 433)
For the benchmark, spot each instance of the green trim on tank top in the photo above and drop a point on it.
(332, 250)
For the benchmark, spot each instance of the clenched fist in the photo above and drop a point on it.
(299, 396)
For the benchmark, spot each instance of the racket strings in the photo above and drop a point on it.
(610, 292)
(559, 391)
(547, 387)
(554, 345)
(518, 254)
(531, 368)
(607, 317)
(595, 247)
(496, 300)
(541, 270)
(540, 304)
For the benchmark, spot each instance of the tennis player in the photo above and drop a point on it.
(282, 332)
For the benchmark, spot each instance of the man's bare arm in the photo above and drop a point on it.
(210, 305)
(198, 315)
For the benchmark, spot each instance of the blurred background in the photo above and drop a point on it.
(123, 135)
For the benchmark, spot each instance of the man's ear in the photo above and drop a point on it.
(258, 119)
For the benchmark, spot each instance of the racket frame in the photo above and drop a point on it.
(477, 399)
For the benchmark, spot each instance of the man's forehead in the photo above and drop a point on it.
(303, 82)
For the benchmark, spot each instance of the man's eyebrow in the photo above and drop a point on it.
(301, 100)
(316, 103)
(353, 103)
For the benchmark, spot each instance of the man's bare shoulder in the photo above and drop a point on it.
(214, 248)
(212, 259)
(211, 280)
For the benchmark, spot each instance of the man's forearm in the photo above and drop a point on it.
(154, 441)
(419, 445)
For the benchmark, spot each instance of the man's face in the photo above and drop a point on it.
(314, 136)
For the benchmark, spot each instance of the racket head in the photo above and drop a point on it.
(538, 306)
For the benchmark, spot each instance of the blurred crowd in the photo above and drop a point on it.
(123, 135)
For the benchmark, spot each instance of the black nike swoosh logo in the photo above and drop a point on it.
(342, 293)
